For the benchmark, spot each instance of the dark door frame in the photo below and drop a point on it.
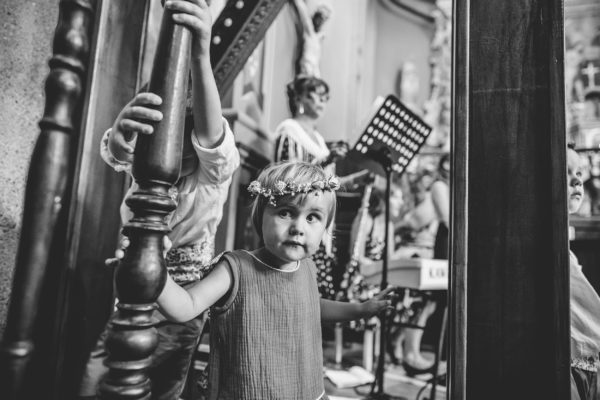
(509, 284)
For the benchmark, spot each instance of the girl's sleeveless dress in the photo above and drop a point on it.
(265, 337)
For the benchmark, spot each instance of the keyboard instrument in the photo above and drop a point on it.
(414, 273)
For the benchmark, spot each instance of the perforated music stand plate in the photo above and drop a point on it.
(396, 127)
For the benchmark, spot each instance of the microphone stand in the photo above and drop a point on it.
(383, 156)
(392, 138)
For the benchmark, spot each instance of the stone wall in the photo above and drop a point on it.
(26, 32)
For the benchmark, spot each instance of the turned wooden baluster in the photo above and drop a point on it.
(49, 171)
(141, 274)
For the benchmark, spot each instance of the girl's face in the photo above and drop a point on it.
(574, 181)
(293, 230)
(314, 102)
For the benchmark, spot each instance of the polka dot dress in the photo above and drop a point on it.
(325, 265)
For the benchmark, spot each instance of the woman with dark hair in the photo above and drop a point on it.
(297, 137)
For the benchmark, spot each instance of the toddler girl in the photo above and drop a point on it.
(585, 303)
(266, 312)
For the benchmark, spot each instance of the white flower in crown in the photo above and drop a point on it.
(334, 183)
(280, 187)
(307, 187)
(320, 185)
(255, 188)
(292, 187)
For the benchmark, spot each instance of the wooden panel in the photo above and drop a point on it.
(517, 305)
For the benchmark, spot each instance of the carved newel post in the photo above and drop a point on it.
(141, 274)
(46, 193)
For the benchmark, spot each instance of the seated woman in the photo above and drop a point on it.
(367, 239)
(424, 231)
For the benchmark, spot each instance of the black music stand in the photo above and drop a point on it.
(392, 138)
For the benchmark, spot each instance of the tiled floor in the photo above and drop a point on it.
(396, 383)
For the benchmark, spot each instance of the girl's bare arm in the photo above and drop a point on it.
(180, 305)
(339, 311)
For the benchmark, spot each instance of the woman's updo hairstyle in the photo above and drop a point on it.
(300, 86)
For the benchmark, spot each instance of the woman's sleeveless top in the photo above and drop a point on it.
(293, 143)
(265, 338)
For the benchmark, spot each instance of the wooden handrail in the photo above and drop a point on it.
(141, 274)
(47, 184)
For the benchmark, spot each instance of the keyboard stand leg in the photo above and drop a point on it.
(368, 346)
(438, 354)
(339, 344)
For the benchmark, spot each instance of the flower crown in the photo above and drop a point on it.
(282, 188)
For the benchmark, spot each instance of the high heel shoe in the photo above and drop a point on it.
(394, 343)
(412, 371)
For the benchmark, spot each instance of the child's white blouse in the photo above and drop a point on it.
(585, 319)
(200, 196)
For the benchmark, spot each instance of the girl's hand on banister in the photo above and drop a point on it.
(138, 116)
(125, 242)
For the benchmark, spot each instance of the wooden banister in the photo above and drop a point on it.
(47, 184)
(141, 274)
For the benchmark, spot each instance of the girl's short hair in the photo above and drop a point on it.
(302, 85)
(300, 173)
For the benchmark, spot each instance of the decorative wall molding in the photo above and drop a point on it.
(237, 31)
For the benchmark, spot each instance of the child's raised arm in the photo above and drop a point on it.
(180, 305)
(195, 15)
(339, 311)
